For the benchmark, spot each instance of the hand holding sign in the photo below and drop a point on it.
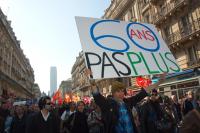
(155, 85)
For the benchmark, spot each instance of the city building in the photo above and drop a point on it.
(44, 94)
(53, 80)
(80, 81)
(16, 73)
(65, 87)
(36, 91)
(178, 22)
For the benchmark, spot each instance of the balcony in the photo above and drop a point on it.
(174, 37)
(168, 9)
(185, 32)
(115, 11)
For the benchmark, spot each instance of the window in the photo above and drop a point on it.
(168, 34)
(191, 54)
(147, 18)
(168, 31)
(198, 13)
(184, 21)
(175, 28)
(145, 1)
(173, 87)
(194, 15)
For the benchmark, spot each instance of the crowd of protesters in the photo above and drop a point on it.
(146, 112)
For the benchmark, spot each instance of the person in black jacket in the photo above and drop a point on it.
(43, 121)
(18, 123)
(157, 117)
(77, 122)
(116, 111)
(190, 103)
(176, 106)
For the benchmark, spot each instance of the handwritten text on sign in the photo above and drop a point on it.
(118, 49)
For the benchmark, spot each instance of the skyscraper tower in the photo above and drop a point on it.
(53, 79)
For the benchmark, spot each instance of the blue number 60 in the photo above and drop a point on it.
(95, 39)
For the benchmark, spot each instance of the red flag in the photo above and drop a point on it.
(143, 82)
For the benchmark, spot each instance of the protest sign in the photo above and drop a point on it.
(114, 48)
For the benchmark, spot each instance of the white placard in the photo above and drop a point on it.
(114, 48)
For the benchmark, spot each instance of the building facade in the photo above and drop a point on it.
(36, 91)
(178, 22)
(53, 80)
(16, 73)
(65, 87)
(80, 82)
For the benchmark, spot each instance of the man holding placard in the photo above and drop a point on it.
(114, 49)
(116, 111)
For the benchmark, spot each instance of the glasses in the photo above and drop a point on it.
(48, 103)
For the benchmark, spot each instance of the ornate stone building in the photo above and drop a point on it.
(178, 22)
(36, 91)
(80, 81)
(65, 87)
(16, 73)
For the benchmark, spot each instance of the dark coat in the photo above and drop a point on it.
(37, 124)
(18, 125)
(77, 123)
(150, 112)
(156, 118)
(191, 122)
(110, 109)
(176, 107)
(187, 106)
(3, 115)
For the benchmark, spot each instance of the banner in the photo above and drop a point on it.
(114, 48)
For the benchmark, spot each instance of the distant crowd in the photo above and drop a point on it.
(146, 112)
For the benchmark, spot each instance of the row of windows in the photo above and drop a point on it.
(189, 22)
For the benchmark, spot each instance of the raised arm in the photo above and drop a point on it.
(155, 85)
(100, 100)
(132, 101)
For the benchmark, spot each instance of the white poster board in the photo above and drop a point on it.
(114, 48)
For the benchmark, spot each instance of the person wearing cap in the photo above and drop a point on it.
(116, 111)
